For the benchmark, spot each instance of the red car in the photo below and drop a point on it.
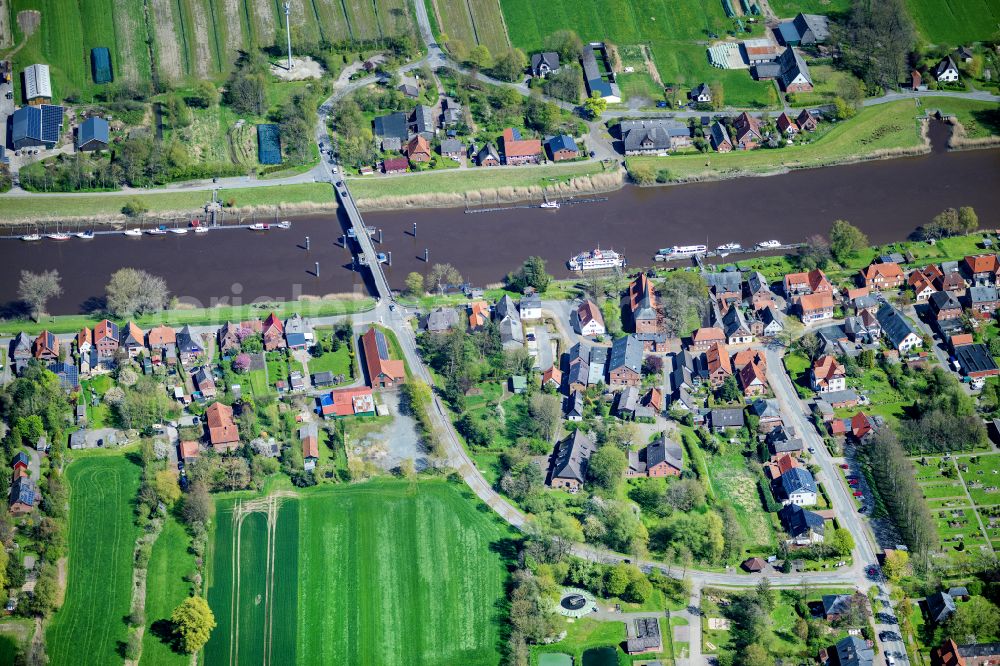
(844, 466)
(853, 482)
(858, 493)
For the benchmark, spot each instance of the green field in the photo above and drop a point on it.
(955, 22)
(882, 130)
(388, 573)
(102, 535)
(165, 590)
(789, 8)
(676, 31)
(473, 22)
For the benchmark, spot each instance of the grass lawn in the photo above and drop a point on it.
(826, 81)
(383, 572)
(339, 362)
(955, 22)
(983, 479)
(165, 590)
(586, 633)
(367, 189)
(885, 129)
(789, 8)
(258, 382)
(84, 205)
(731, 480)
(640, 84)
(978, 120)
(102, 536)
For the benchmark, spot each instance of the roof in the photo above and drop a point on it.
(895, 326)
(514, 146)
(701, 90)
(827, 367)
(161, 335)
(452, 146)
(561, 142)
(717, 358)
(36, 82)
(549, 58)
(975, 358)
(20, 458)
(93, 129)
(189, 449)
(784, 122)
(488, 151)
(766, 408)
(221, 426)
(647, 635)
(734, 322)
(186, 342)
(626, 352)
(797, 479)
(131, 334)
(708, 334)
(982, 263)
(642, 298)
(393, 124)
(377, 360)
(418, 145)
(798, 521)
(745, 124)
(347, 402)
(441, 319)
(724, 281)
(664, 450)
(812, 28)
(720, 135)
(106, 329)
(592, 73)
(23, 491)
(886, 270)
(983, 294)
(588, 311)
(651, 134)
(309, 434)
(793, 66)
(553, 374)
(940, 605)
(751, 375)
(727, 418)
(815, 280)
(944, 66)
(813, 302)
(37, 123)
(854, 651)
(395, 164)
(423, 119)
(572, 456)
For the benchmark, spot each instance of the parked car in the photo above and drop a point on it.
(858, 493)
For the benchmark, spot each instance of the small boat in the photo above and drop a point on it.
(596, 259)
(58, 236)
(85, 235)
(382, 258)
(680, 252)
(180, 231)
(284, 224)
(259, 226)
(551, 205)
(201, 230)
(729, 247)
(158, 231)
(133, 233)
(768, 244)
(31, 238)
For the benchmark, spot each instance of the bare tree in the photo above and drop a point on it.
(443, 275)
(134, 292)
(36, 289)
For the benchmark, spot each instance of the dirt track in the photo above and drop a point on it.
(6, 40)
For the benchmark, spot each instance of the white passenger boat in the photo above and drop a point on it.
(596, 259)
(680, 252)
(768, 244)
(729, 247)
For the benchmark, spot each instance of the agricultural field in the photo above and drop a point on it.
(789, 8)
(676, 31)
(165, 590)
(473, 22)
(955, 22)
(389, 572)
(102, 535)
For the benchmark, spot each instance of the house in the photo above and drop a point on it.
(964, 53)
(205, 382)
(922, 284)
(452, 148)
(391, 144)
(626, 404)
(569, 467)
(552, 377)
(841, 399)
(508, 321)
(383, 372)
(646, 638)
(950, 653)
(734, 325)
(84, 341)
(758, 51)
(720, 138)
(441, 320)
(976, 361)
(813, 282)
(701, 94)
(661, 458)
(860, 426)
(297, 332)
(943, 305)
(771, 322)
(588, 320)
(188, 451)
(518, 151)
(488, 156)
(309, 436)
(422, 122)
(653, 342)
(752, 380)
(753, 565)
(188, 346)
(625, 362)
(984, 300)
(946, 71)
(981, 269)
(23, 496)
(768, 414)
(19, 463)
(574, 407)
(703, 338)
(598, 84)
(828, 375)
(959, 593)
(346, 402)
(940, 606)
(223, 434)
(131, 339)
(722, 419)
(451, 115)
(93, 135)
(797, 486)
(816, 307)
(418, 149)
(747, 130)
(718, 365)
(851, 651)
(726, 286)
(804, 30)
(409, 90)
(273, 332)
(67, 374)
(162, 340)
(46, 347)
(897, 329)
(33, 126)
(545, 63)
(531, 306)
(653, 136)
(786, 125)
(804, 527)
(781, 464)
(37, 85)
(479, 314)
(395, 165)
(561, 147)
(642, 305)
(806, 121)
(794, 75)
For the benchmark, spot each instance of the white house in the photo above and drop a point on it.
(797, 486)
(897, 329)
(588, 319)
(828, 375)
(531, 307)
(946, 71)
(702, 94)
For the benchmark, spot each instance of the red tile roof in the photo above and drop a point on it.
(520, 147)
(378, 366)
(104, 330)
(983, 263)
(310, 446)
(813, 302)
(751, 374)
(479, 314)
(826, 368)
(348, 402)
(189, 450)
(717, 358)
(552, 374)
(710, 334)
(395, 164)
(222, 430)
(887, 271)
(162, 335)
(84, 336)
(588, 311)
(417, 147)
(749, 356)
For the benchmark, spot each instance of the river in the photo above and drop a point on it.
(887, 199)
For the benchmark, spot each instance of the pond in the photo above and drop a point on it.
(600, 656)
(555, 659)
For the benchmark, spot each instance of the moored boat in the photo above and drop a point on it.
(30, 238)
(768, 244)
(729, 247)
(284, 224)
(180, 231)
(596, 259)
(85, 235)
(58, 236)
(133, 233)
(680, 252)
(201, 230)
(551, 205)
(259, 226)
(158, 231)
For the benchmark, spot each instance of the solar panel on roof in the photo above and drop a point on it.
(383, 348)
(268, 144)
(52, 117)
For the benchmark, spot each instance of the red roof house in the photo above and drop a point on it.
(222, 431)
(382, 371)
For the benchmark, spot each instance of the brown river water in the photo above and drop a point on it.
(887, 199)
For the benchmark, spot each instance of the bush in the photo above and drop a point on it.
(134, 208)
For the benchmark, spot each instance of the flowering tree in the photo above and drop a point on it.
(241, 363)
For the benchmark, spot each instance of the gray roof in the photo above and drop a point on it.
(626, 352)
(628, 399)
(572, 456)
(394, 124)
(93, 130)
(423, 119)
(486, 152)
(592, 74)
(757, 283)
(847, 395)
(511, 334)
(452, 146)
(720, 134)
(792, 65)
(665, 450)
(391, 143)
(700, 90)
(547, 58)
(734, 323)
(983, 294)
(940, 606)
(798, 521)
(505, 308)
(652, 133)
(575, 404)
(975, 358)
(894, 324)
(945, 300)
(561, 142)
(854, 651)
(724, 281)
(186, 342)
(944, 66)
(795, 479)
(812, 28)
(442, 319)
(769, 316)
(647, 635)
(767, 70)
(727, 418)
(765, 408)
(533, 301)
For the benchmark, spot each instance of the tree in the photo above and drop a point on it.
(566, 43)
(877, 40)
(616, 580)
(132, 292)
(480, 57)
(546, 412)
(685, 494)
(166, 487)
(241, 363)
(683, 299)
(510, 65)
(443, 275)
(843, 109)
(531, 274)
(36, 289)
(193, 622)
(607, 465)
(846, 240)
(414, 284)
(755, 655)
(595, 105)
(730, 390)
(718, 95)
(976, 619)
(842, 542)
(895, 565)
(134, 208)
(968, 221)
(814, 253)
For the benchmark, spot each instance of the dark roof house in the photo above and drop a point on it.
(93, 134)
